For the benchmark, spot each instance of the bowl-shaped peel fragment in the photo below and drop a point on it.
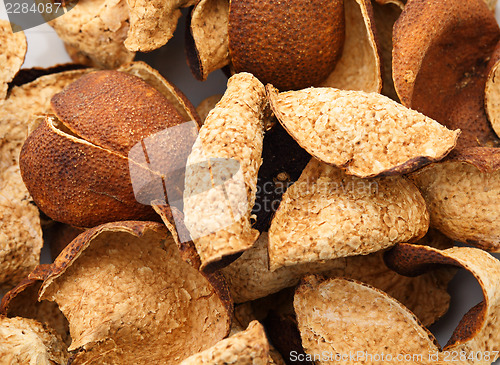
(249, 347)
(221, 174)
(327, 214)
(14, 49)
(130, 298)
(366, 134)
(26, 341)
(340, 316)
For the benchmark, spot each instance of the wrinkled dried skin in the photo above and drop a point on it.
(492, 92)
(327, 214)
(166, 88)
(291, 44)
(249, 277)
(152, 23)
(478, 330)
(153, 307)
(207, 105)
(249, 347)
(20, 232)
(440, 57)
(12, 54)
(26, 341)
(463, 202)
(97, 30)
(385, 16)
(339, 316)
(359, 67)
(366, 134)
(426, 295)
(219, 194)
(207, 41)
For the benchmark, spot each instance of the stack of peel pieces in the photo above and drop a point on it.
(364, 237)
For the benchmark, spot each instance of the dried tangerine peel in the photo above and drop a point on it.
(463, 202)
(425, 295)
(14, 47)
(233, 133)
(152, 23)
(327, 214)
(207, 105)
(478, 330)
(20, 231)
(342, 316)
(153, 307)
(249, 347)
(440, 57)
(359, 67)
(492, 91)
(207, 41)
(26, 341)
(366, 134)
(96, 30)
(166, 88)
(291, 44)
(249, 277)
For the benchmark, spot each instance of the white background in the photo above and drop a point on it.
(45, 49)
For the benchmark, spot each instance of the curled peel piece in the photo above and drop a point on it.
(342, 316)
(26, 341)
(478, 330)
(96, 30)
(366, 134)
(492, 91)
(20, 232)
(463, 201)
(207, 42)
(153, 307)
(327, 214)
(425, 295)
(14, 48)
(249, 347)
(359, 66)
(221, 174)
(440, 57)
(249, 277)
(152, 23)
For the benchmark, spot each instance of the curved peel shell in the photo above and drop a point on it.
(291, 44)
(14, 47)
(463, 201)
(207, 42)
(221, 174)
(366, 134)
(492, 91)
(249, 347)
(359, 66)
(153, 307)
(327, 214)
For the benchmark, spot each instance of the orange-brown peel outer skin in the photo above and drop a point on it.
(76, 182)
(291, 44)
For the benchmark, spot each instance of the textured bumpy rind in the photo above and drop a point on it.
(327, 214)
(366, 134)
(359, 67)
(478, 329)
(249, 347)
(207, 42)
(291, 44)
(463, 202)
(26, 341)
(221, 175)
(20, 232)
(152, 306)
(95, 32)
(342, 316)
(14, 49)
